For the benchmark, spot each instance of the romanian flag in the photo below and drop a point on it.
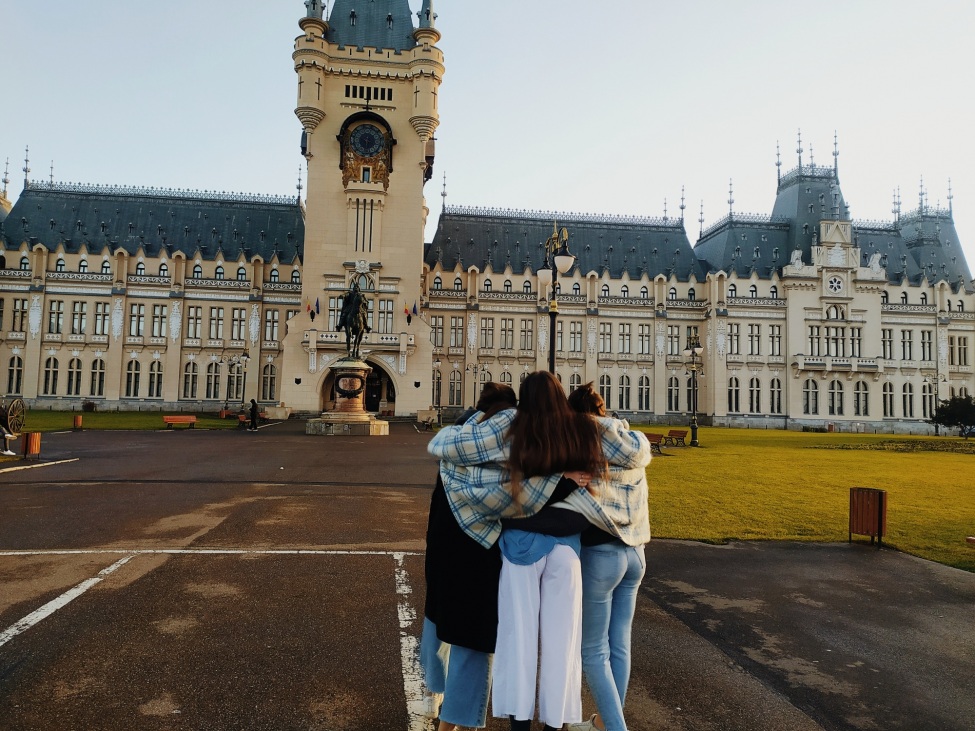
(406, 309)
(307, 305)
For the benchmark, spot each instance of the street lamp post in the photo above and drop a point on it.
(437, 385)
(693, 352)
(558, 260)
(233, 362)
(474, 368)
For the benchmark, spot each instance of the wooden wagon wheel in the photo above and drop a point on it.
(16, 413)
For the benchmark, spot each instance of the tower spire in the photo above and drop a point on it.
(51, 177)
(799, 149)
(443, 194)
(836, 157)
(665, 210)
(951, 197)
(683, 206)
(700, 220)
(313, 9)
(731, 197)
(428, 18)
(778, 163)
(27, 166)
(6, 178)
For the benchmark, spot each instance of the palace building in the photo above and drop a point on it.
(180, 300)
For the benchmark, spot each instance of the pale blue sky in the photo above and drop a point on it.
(605, 107)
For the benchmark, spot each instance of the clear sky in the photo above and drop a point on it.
(569, 105)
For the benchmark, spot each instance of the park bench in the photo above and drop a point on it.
(187, 419)
(675, 438)
(655, 441)
(971, 539)
(243, 418)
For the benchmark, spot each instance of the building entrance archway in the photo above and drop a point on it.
(380, 395)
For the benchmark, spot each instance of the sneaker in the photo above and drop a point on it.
(430, 705)
(589, 725)
(8, 453)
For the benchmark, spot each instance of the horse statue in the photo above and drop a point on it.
(354, 320)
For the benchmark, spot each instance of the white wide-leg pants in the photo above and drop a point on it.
(540, 606)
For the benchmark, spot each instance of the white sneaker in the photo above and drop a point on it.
(8, 453)
(589, 725)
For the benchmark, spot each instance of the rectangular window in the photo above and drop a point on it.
(605, 337)
(386, 316)
(101, 318)
(927, 344)
(507, 333)
(856, 341)
(673, 340)
(835, 341)
(775, 341)
(487, 332)
(55, 317)
(436, 333)
(1, 313)
(238, 323)
(575, 336)
(754, 341)
(907, 345)
(952, 355)
(272, 319)
(962, 351)
(79, 317)
(137, 320)
(814, 340)
(456, 332)
(625, 338)
(887, 343)
(159, 317)
(643, 334)
(734, 339)
(216, 323)
(194, 322)
(558, 336)
(334, 312)
(527, 340)
(19, 316)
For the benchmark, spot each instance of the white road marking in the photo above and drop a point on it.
(207, 552)
(55, 604)
(409, 647)
(38, 464)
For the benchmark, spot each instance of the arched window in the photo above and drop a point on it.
(458, 284)
(487, 285)
(775, 396)
(903, 298)
(734, 395)
(624, 291)
(833, 313)
(643, 394)
(269, 383)
(961, 306)
(15, 375)
(754, 396)
(213, 381)
(673, 394)
(140, 269)
(197, 272)
(507, 285)
(835, 398)
(155, 379)
(505, 378)
(888, 394)
(644, 293)
(83, 266)
(753, 291)
(275, 276)
(133, 372)
(60, 266)
(437, 395)
(884, 298)
(74, 377)
(691, 294)
(235, 382)
(106, 267)
(97, 378)
(907, 398)
(24, 263)
(861, 403)
(295, 276)
(732, 291)
(927, 400)
(948, 302)
(604, 292)
(164, 270)
(575, 381)
(191, 377)
(576, 288)
(606, 390)
(773, 292)
(810, 397)
(526, 287)
(218, 272)
(241, 274)
(672, 294)
(455, 393)
(624, 402)
(50, 377)
(437, 282)
(924, 298)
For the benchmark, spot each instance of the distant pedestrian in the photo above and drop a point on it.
(254, 415)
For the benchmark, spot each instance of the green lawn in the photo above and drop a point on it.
(776, 485)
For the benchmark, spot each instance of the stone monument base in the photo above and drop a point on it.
(348, 418)
(347, 425)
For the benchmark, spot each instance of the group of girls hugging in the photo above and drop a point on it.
(534, 558)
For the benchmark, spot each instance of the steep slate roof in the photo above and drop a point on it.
(617, 244)
(187, 221)
(385, 24)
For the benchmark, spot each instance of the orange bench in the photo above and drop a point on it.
(187, 419)
(244, 418)
(971, 539)
(655, 441)
(675, 438)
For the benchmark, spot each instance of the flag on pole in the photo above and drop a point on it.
(307, 305)
(406, 309)
(317, 308)
(414, 308)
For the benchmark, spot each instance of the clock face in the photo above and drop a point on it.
(367, 140)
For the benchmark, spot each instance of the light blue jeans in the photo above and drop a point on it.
(611, 576)
(461, 674)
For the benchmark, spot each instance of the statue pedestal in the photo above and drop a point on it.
(349, 417)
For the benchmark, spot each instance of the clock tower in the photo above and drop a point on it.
(368, 81)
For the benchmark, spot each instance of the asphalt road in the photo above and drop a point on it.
(274, 581)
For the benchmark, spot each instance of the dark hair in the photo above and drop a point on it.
(585, 400)
(496, 397)
(547, 436)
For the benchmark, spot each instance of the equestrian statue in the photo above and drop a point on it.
(354, 320)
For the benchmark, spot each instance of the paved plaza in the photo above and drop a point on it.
(203, 580)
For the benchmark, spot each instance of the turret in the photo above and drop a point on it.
(427, 68)
(310, 110)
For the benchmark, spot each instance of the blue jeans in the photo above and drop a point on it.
(461, 674)
(611, 576)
